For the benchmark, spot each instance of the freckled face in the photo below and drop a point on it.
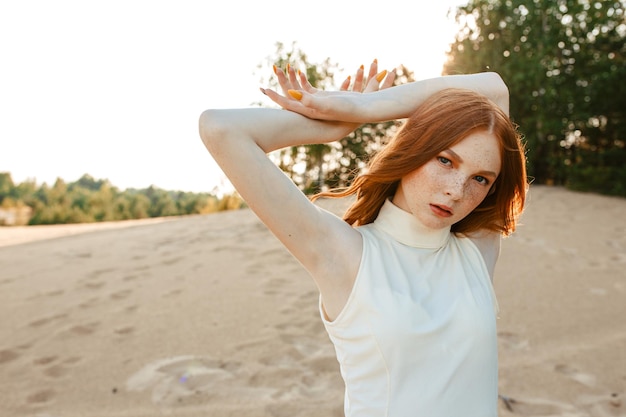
(449, 187)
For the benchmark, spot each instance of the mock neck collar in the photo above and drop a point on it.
(407, 229)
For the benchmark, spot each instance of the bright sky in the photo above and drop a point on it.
(114, 88)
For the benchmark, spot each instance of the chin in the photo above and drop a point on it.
(437, 223)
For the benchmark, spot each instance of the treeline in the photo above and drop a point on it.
(90, 200)
(565, 63)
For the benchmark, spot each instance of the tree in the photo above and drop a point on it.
(564, 63)
(6, 185)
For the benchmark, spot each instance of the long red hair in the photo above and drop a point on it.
(443, 120)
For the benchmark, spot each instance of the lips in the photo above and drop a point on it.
(441, 210)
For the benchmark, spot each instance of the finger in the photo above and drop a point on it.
(358, 80)
(287, 101)
(373, 70)
(304, 81)
(304, 105)
(389, 79)
(374, 82)
(345, 85)
(293, 78)
(282, 80)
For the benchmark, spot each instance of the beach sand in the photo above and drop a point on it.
(210, 316)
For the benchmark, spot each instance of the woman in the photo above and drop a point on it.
(405, 277)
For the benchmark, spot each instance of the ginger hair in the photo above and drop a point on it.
(443, 120)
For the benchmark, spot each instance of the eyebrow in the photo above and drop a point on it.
(460, 160)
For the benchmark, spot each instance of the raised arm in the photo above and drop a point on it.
(239, 139)
(389, 104)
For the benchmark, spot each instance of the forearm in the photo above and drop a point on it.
(270, 129)
(394, 103)
(401, 101)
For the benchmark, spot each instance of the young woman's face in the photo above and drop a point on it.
(450, 186)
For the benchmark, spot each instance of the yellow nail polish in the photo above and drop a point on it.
(362, 67)
(275, 70)
(288, 67)
(295, 94)
(381, 75)
(375, 61)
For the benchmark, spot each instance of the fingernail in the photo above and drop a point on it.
(381, 75)
(288, 67)
(263, 91)
(361, 67)
(274, 68)
(295, 94)
(375, 61)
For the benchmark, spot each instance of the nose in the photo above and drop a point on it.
(455, 187)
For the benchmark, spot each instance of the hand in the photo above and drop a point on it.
(372, 82)
(301, 97)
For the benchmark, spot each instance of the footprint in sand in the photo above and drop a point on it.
(55, 371)
(175, 380)
(291, 409)
(130, 309)
(57, 368)
(297, 350)
(123, 331)
(619, 258)
(172, 261)
(276, 286)
(607, 405)
(120, 295)
(512, 341)
(8, 355)
(89, 303)
(45, 360)
(94, 285)
(172, 293)
(539, 407)
(40, 397)
(578, 376)
(80, 329)
(99, 272)
(130, 277)
(45, 320)
(312, 379)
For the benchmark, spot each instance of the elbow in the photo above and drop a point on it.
(498, 90)
(210, 128)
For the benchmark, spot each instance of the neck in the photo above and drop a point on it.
(407, 229)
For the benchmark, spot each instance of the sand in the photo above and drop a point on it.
(210, 316)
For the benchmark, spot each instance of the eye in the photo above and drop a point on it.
(482, 180)
(444, 160)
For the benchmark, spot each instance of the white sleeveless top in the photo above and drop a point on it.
(417, 336)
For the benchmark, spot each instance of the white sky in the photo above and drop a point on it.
(114, 88)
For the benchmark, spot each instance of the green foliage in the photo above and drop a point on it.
(564, 63)
(6, 185)
(601, 171)
(320, 166)
(89, 200)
